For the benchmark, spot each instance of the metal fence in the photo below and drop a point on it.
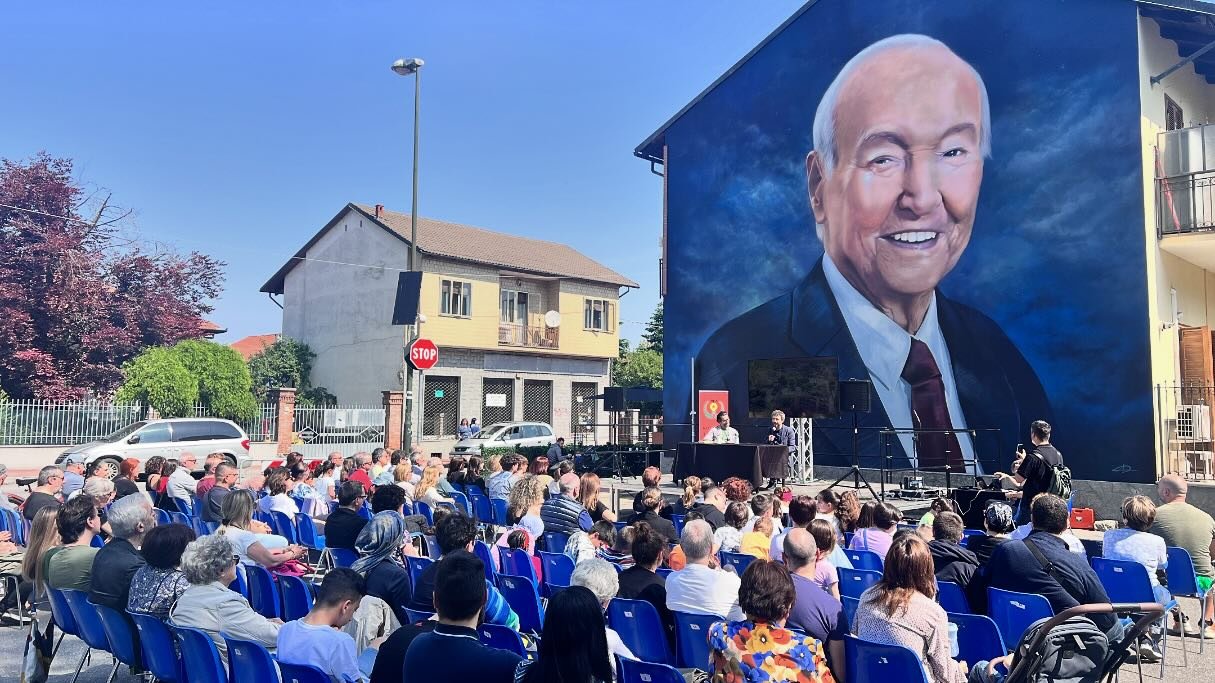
(27, 422)
(1187, 443)
(346, 429)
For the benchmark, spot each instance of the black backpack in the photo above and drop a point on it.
(1073, 652)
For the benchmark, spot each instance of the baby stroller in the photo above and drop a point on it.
(1068, 648)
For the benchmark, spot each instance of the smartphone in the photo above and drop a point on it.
(1020, 447)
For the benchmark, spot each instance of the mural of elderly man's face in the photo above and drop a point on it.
(898, 206)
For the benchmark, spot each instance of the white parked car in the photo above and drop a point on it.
(168, 438)
(506, 435)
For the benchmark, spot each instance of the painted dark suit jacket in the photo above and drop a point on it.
(996, 386)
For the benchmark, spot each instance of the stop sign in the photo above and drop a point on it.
(423, 354)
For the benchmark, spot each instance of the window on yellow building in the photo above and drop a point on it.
(599, 315)
(455, 298)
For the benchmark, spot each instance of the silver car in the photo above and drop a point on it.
(168, 438)
(506, 435)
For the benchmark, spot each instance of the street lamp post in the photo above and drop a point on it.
(406, 67)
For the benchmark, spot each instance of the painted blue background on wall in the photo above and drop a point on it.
(1057, 254)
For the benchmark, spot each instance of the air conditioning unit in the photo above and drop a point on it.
(1194, 423)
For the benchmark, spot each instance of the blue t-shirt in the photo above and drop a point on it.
(816, 613)
(324, 647)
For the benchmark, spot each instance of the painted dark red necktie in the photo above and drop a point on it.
(929, 410)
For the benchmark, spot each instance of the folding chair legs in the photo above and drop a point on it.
(113, 670)
(80, 665)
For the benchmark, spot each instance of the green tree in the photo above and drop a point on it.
(640, 368)
(224, 384)
(652, 338)
(287, 363)
(158, 378)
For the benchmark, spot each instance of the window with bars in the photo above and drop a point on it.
(455, 298)
(599, 315)
(497, 400)
(440, 406)
(583, 409)
(1173, 116)
(538, 400)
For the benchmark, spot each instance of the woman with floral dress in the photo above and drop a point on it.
(761, 648)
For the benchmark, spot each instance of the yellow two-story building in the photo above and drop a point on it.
(526, 329)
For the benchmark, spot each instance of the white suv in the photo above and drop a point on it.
(168, 438)
(506, 435)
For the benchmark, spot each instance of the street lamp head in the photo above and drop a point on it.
(405, 67)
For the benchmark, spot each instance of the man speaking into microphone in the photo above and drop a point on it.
(781, 435)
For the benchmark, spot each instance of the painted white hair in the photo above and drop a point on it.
(824, 116)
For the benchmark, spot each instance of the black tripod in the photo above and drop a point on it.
(858, 479)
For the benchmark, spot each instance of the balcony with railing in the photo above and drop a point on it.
(537, 337)
(1185, 181)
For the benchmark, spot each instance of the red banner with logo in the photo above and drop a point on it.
(710, 402)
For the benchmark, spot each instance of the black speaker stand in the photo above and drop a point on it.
(858, 479)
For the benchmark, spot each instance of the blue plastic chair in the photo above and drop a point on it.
(952, 598)
(1014, 612)
(502, 638)
(240, 584)
(497, 512)
(633, 671)
(121, 634)
(179, 518)
(851, 605)
(416, 616)
(481, 550)
(874, 662)
(417, 565)
(99, 542)
(482, 510)
(1126, 581)
(847, 539)
(211, 527)
(463, 503)
(263, 591)
(740, 561)
(978, 638)
(558, 568)
(423, 509)
(88, 623)
(248, 662)
(640, 628)
(520, 593)
(692, 639)
(620, 526)
(284, 525)
(555, 541)
(199, 656)
(264, 518)
(678, 521)
(343, 557)
(518, 563)
(968, 533)
(853, 582)
(157, 648)
(309, 537)
(65, 621)
(302, 673)
(162, 517)
(365, 512)
(297, 597)
(864, 559)
(1184, 584)
(473, 489)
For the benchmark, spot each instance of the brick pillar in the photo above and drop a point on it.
(286, 418)
(394, 413)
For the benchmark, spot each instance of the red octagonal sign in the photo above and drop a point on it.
(423, 354)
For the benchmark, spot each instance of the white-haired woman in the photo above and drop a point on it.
(209, 564)
(600, 577)
(101, 491)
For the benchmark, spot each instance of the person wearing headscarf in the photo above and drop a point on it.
(382, 546)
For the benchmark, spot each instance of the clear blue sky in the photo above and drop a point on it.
(239, 129)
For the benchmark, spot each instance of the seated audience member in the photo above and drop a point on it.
(620, 551)
(158, 584)
(762, 507)
(692, 494)
(181, 483)
(101, 491)
(457, 532)
(213, 501)
(815, 612)
(474, 475)
(250, 539)
(1073, 544)
(500, 484)
(381, 462)
(997, 525)
(325, 482)
(758, 647)
(564, 513)
(729, 536)
(901, 609)
(382, 546)
(584, 545)
(936, 507)
(825, 574)
(124, 483)
(652, 503)
(523, 509)
(277, 484)
(427, 489)
(360, 473)
(602, 580)
(317, 638)
(453, 651)
(208, 479)
(1070, 581)
(588, 494)
(572, 646)
(73, 479)
(393, 498)
(538, 468)
(758, 541)
(402, 476)
(701, 587)
(45, 494)
(827, 505)
(950, 561)
(343, 526)
(457, 470)
(877, 537)
(712, 508)
(650, 477)
(1133, 543)
(802, 511)
(303, 486)
(116, 563)
(518, 539)
(70, 565)
(1182, 525)
(209, 605)
(42, 537)
(641, 581)
(153, 475)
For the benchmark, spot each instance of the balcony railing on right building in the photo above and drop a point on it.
(528, 336)
(1185, 181)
